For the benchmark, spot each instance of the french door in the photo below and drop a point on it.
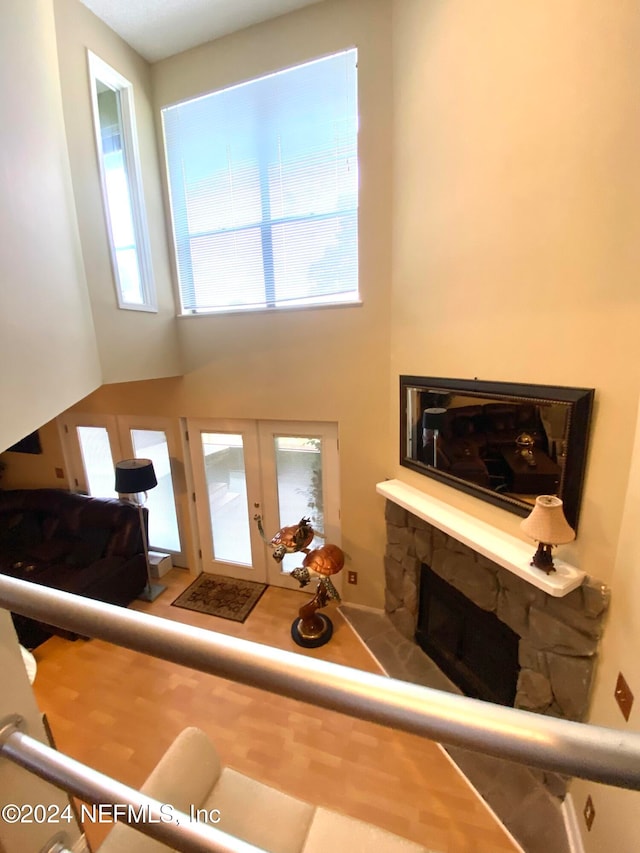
(93, 444)
(272, 472)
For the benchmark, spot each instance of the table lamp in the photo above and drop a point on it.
(135, 477)
(548, 527)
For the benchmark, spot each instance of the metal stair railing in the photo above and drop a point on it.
(601, 754)
(149, 816)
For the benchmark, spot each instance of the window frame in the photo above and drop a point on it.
(101, 71)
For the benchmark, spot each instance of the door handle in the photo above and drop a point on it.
(258, 520)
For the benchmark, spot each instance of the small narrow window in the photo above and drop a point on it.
(122, 194)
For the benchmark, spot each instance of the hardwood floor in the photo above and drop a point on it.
(118, 710)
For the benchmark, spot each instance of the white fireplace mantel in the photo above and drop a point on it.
(505, 550)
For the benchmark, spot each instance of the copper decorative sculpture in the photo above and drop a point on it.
(288, 540)
(311, 629)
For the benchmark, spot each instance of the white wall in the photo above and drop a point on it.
(47, 329)
(132, 344)
(618, 812)
(515, 258)
(515, 196)
(48, 355)
(18, 786)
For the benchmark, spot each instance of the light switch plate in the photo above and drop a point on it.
(623, 696)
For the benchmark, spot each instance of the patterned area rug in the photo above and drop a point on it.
(227, 598)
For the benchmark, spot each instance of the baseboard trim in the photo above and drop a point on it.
(379, 610)
(571, 825)
(353, 630)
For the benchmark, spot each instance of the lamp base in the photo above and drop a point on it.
(542, 559)
(151, 592)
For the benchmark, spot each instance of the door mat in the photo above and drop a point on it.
(228, 598)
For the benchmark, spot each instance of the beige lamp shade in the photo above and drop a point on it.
(547, 523)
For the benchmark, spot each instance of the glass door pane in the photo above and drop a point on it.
(298, 463)
(97, 461)
(163, 520)
(226, 485)
(300, 479)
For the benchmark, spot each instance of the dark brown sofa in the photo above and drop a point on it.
(88, 546)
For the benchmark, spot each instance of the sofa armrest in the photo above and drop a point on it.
(115, 580)
(187, 771)
(184, 776)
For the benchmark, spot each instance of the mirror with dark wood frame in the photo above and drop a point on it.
(504, 442)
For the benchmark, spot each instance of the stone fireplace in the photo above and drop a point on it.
(472, 646)
(558, 634)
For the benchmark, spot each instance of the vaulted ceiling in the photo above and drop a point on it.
(160, 28)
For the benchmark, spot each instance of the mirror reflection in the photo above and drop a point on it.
(508, 447)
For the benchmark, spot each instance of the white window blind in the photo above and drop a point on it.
(263, 181)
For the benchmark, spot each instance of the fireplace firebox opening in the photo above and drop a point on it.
(474, 648)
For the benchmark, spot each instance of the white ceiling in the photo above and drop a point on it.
(159, 28)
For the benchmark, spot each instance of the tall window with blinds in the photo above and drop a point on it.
(263, 182)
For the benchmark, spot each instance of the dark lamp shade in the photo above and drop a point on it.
(433, 418)
(135, 475)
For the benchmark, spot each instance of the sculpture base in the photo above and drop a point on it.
(312, 633)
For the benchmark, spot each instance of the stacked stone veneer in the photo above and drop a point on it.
(558, 636)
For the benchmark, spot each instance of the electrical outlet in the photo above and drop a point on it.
(589, 813)
(623, 696)
(352, 577)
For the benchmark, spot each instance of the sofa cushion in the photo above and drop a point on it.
(89, 544)
(9, 524)
(260, 814)
(331, 831)
(20, 528)
(80, 580)
(50, 525)
(49, 551)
